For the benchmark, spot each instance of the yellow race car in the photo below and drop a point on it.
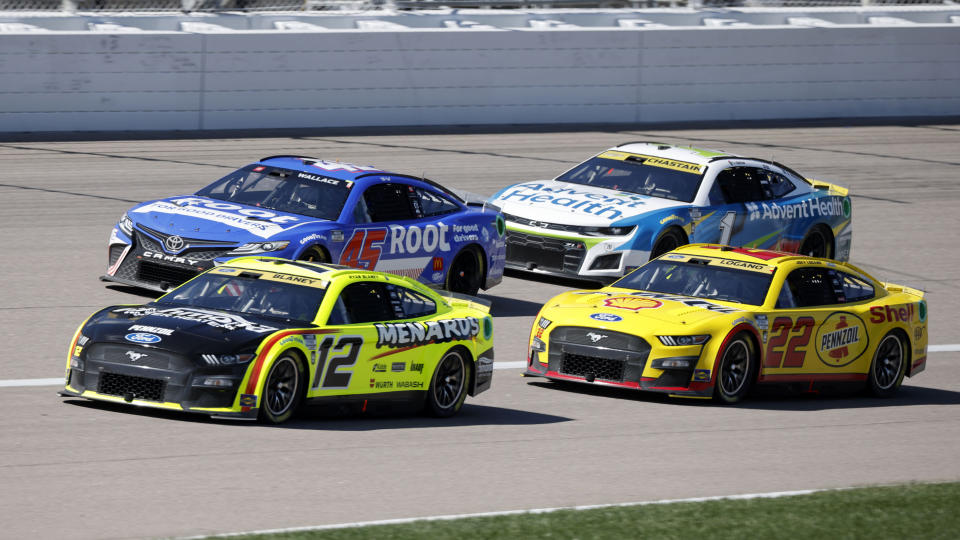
(258, 336)
(710, 321)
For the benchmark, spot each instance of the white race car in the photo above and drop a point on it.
(636, 201)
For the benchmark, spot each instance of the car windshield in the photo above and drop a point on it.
(248, 293)
(638, 174)
(284, 190)
(700, 281)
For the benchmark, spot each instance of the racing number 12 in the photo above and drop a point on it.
(333, 378)
(781, 329)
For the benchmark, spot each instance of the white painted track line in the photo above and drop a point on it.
(57, 381)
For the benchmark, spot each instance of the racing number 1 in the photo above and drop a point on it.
(333, 378)
(792, 356)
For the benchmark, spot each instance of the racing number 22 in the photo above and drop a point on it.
(333, 378)
(780, 331)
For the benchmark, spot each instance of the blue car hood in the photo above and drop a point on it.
(209, 219)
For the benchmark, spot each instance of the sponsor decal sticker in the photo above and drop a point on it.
(151, 329)
(903, 313)
(701, 375)
(686, 300)
(398, 367)
(606, 317)
(841, 339)
(248, 400)
(216, 319)
(420, 333)
(632, 303)
(142, 337)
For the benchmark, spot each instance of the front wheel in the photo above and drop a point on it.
(735, 371)
(888, 367)
(282, 391)
(817, 244)
(448, 387)
(466, 273)
(315, 254)
(668, 241)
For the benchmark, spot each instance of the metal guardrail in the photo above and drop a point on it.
(210, 6)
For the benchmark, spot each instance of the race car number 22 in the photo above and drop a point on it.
(798, 333)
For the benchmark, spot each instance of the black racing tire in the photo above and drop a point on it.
(888, 367)
(315, 253)
(466, 272)
(817, 243)
(668, 240)
(448, 386)
(735, 370)
(283, 389)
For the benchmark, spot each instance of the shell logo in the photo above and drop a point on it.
(632, 303)
(841, 339)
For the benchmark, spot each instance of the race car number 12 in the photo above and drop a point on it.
(332, 377)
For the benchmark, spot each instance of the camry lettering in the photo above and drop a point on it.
(420, 333)
(170, 258)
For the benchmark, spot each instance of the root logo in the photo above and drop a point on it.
(841, 339)
(632, 303)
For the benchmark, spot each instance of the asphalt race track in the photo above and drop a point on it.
(75, 469)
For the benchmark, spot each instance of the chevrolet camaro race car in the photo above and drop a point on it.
(309, 209)
(256, 337)
(710, 321)
(634, 202)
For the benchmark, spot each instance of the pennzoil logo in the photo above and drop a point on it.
(632, 303)
(841, 339)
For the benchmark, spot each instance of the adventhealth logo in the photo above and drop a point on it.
(584, 201)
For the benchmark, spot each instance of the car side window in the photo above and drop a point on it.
(741, 184)
(854, 288)
(390, 201)
(434, 204)
(779, 185)
(808, 287)
(363, 302)
(412, 304)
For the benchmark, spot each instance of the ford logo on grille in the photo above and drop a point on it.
(174, 243)
(606, 317)
(142, 337)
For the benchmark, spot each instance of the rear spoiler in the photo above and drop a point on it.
(465, 300)
(472, 199)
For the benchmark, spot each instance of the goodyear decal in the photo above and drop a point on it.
(841, 339)
(655, 161)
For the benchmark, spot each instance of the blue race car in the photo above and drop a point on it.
(309, 209)
(637, 201)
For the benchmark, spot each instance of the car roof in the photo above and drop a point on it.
(762, 257)
(311, 270)
(700, 156)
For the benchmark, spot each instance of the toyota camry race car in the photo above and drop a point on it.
(256, 337)
(309, 209)
(632, 203)
(710, 321)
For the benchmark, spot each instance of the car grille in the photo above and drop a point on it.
(133, 355)
(115, 251)
(161, 273)
(581, 335)
(199, 254)
(114, 384)
(589, 366)
(531, 251)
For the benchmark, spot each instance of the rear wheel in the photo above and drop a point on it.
(817, 243)
(466, 273)
(669, 240)
(735, 371)
(315, 254)
(283, 390)
(448, 387)
(888, 367)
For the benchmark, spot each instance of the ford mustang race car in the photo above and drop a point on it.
(632, 203)
(256, 337)
(309, 209)
(707, 321)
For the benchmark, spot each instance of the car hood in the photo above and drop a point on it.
(210, 219)
(184, 330)
(576, 204)
(637, 312)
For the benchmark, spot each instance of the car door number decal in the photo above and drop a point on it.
(361, 252)
(332, 377)
(726, 227)
(793, 354)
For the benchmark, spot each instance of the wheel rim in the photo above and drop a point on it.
(464, 273)
(888, 363)
(282, 386)
(314, 254)
(735, 369)
(815, 245)
(667, 243)
(450, 381)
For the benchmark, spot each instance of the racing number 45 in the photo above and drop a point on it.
(347, 349)
(797, 332)
(360, 251)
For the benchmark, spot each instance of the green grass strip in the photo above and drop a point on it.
(927, 511)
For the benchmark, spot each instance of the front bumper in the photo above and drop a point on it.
(158, 379)
(599, 259)
(625, 364)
